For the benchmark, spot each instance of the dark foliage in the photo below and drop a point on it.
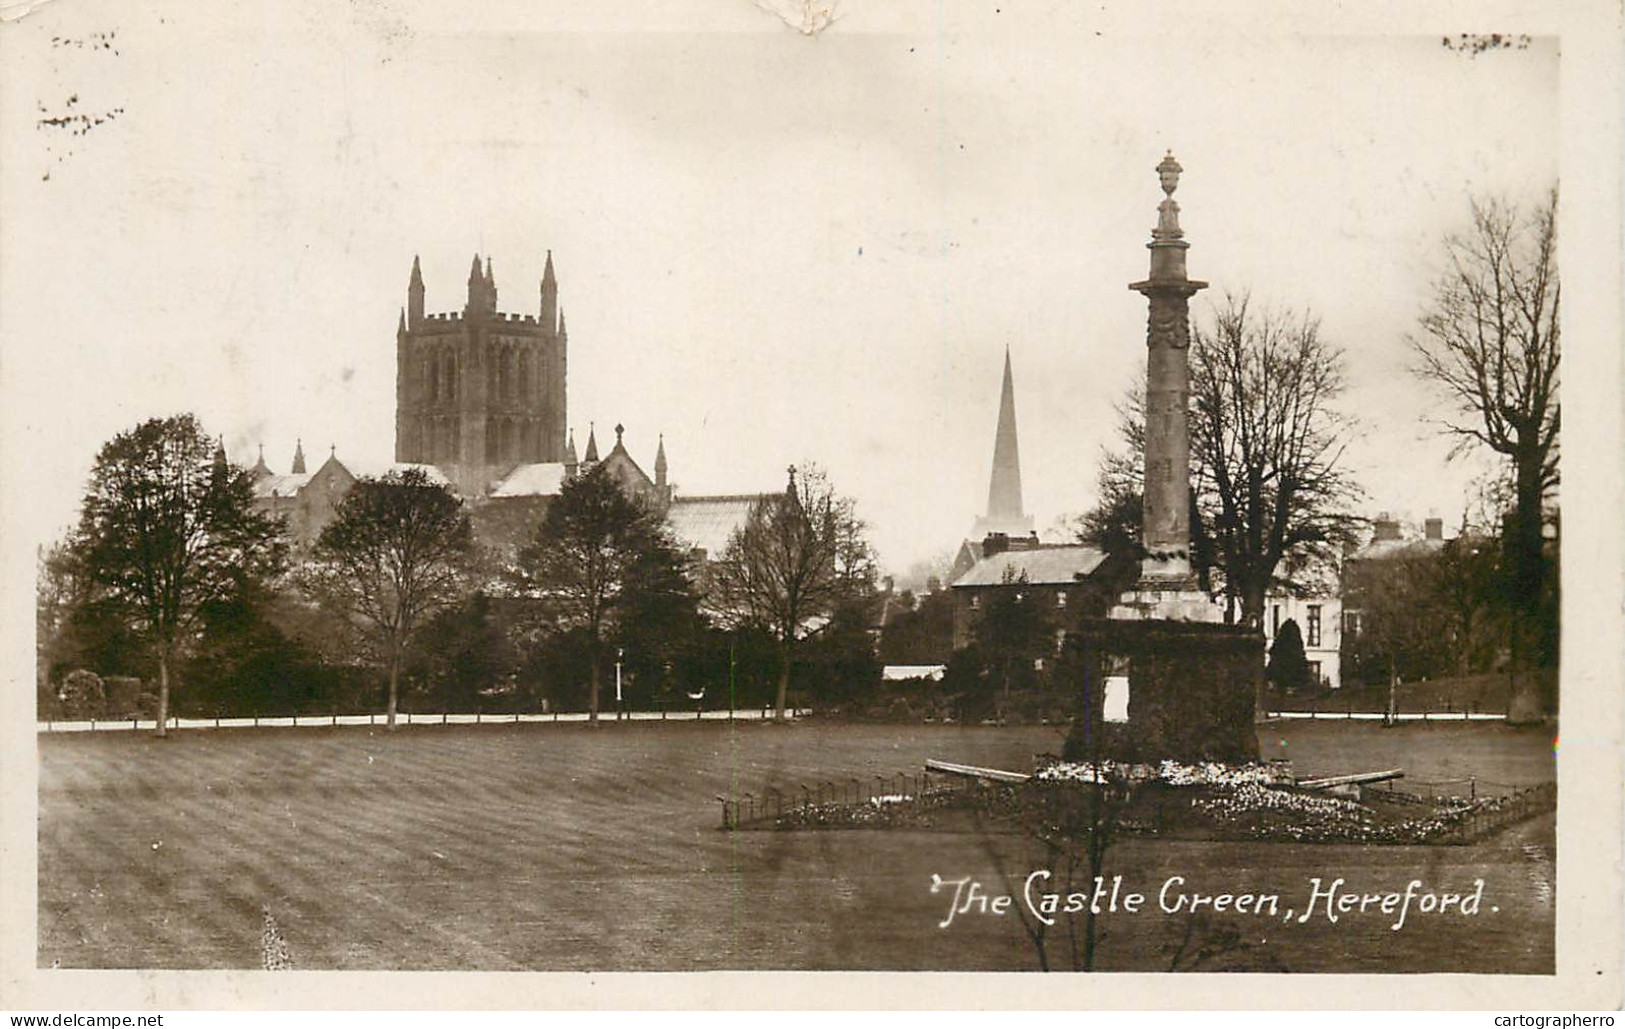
(395, 555)
(1288, 669)
(168, 530)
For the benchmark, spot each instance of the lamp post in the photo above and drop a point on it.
(620, 652)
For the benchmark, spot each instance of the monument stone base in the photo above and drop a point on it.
(1193, 690)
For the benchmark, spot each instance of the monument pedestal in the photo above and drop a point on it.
(1167, 600)
(1167, 590)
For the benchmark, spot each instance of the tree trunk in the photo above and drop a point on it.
(784, 680)
(1527, 559)
(163, 691)
(594, 679)
(394, 691)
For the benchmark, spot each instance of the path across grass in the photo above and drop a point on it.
(542, 847)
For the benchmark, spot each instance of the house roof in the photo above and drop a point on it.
(289, 485)
(1382, 550)
(707, 523)
(1053, 565)
(532, 480)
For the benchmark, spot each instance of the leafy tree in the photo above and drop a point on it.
(1490, 343)
(1014, 631)
(1467, 587)
(598, 555)
(796, 558)
(396, 553)
(1402, 624)
(659, 625)
(464, 652)
(245, 663)
(921, 636)
(168, 527)
(1288, 666)
(841, 655)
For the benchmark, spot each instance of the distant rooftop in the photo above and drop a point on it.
(1046, 565)
(543, 479)
(708, 522)
(287, 485)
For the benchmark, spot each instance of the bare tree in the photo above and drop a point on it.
(1490, 343)
(798, 555)
(1269, 498)
(392, 557)
(167, 527)
(1268, 441)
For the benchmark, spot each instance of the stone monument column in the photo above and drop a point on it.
(1167, 526)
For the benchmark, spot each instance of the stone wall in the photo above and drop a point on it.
(1193, 690)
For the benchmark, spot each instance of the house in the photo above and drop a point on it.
(1068, 580)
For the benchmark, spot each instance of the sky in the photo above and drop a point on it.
(771, 247)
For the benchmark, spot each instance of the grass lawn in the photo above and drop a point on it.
(565, 848)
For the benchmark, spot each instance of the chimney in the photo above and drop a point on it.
(995, 543)
(1384, 528)
(1434, 528)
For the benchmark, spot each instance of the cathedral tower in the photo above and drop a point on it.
(478, 392)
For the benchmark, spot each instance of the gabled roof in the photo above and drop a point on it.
(619, 464)
(707, 523)
(532, 480)
(289, 485)
(1053, 565)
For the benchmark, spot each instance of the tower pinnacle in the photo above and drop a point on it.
(414, 296)
(299, 457)
(550, 294)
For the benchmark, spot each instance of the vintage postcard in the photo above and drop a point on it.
(793, 487)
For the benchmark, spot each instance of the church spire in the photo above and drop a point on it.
(1004, 491)
(490, 285)
(1004, 508)
(592, 446)
(660, 462)
(299, 457)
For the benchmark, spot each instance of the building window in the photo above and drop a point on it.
(1313, 639)
(1351, 624)
(975, 602)
(1275, 619)
(1314, 672)
(1060, 598)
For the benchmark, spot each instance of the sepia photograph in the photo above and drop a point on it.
(806, 487)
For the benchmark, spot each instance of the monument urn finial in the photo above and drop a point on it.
(1168, 173)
